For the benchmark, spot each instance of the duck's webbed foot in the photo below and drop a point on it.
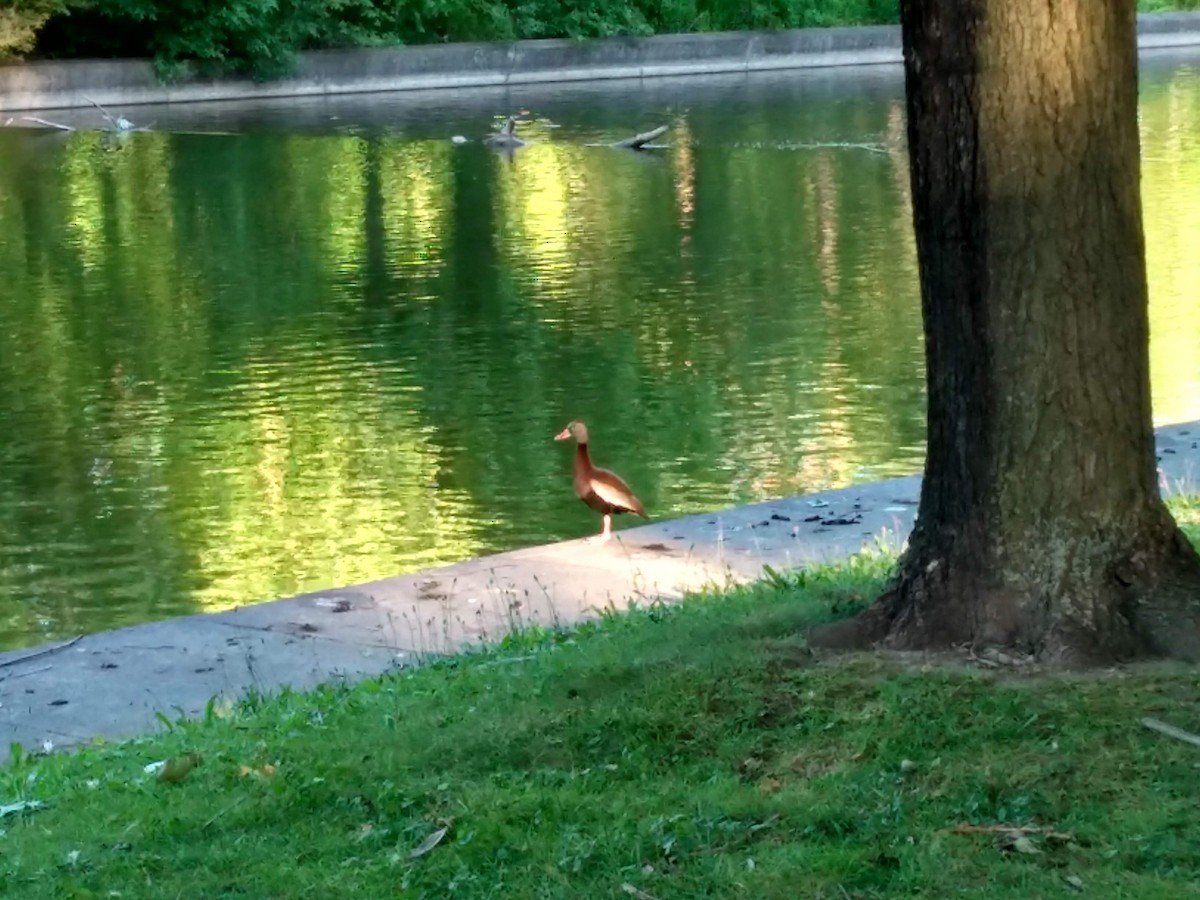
(605, 535)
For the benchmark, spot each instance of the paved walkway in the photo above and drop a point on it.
(113, 683)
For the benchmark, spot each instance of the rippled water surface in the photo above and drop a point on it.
(330, 345)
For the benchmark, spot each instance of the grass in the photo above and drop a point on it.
(680, 752)
(1167, 5)
(1186, 510)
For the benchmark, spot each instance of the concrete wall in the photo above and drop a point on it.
(48, 85)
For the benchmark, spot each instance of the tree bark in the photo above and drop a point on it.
(1040, 525)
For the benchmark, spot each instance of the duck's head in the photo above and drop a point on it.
(575, 430)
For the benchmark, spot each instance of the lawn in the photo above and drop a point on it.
(689, 751)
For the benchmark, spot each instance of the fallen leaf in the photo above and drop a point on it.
(221, 707)
(637, 892)
(11, 809)
(1075, 881)
(429, 843)
(364, 831)
(770, 785)
(175, 769)
(1024, 845)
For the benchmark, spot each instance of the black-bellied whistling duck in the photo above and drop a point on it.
(600, 489)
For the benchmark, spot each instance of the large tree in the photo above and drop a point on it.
(1040, 525)
(20, 21)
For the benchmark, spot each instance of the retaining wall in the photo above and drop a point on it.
(121, 83)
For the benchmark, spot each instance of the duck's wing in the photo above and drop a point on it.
(610, 488)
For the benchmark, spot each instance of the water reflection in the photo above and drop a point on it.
(1170, 131)
(233, 368)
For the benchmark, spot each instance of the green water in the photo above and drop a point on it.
(333, 346)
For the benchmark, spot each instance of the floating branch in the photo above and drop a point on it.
(830, 145)
(35, 119)
(116, 124)
(870, 148)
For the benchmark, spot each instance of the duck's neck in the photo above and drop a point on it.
(583, 462)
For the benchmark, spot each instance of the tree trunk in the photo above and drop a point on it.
(1040, 525)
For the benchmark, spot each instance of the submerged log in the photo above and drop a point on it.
(642, 141)
(506, 135)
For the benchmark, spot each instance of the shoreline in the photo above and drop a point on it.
(49, 85)
(126, 682)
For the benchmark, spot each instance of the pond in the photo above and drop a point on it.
(327, 345)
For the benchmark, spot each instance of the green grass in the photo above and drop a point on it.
(1186, 510)
(687, 751)
(1167, 5)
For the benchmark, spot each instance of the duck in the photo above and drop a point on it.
(602, 490)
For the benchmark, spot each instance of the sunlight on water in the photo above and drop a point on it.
(1171, 197)
(240, 367)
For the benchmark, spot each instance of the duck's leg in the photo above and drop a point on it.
(606, 532)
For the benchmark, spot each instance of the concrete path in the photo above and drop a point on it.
(113, 683)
